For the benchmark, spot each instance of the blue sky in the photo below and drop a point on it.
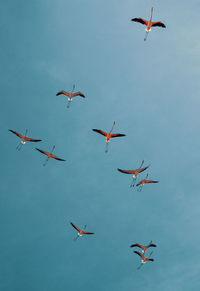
(151, 89)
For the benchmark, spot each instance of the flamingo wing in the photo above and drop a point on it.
(158, 23)
(117, 135)
(57, 158)
(87, 232)
(140, 182)
(100, 131)
(137, 245)
(17, 133)
(152, 245)
(78, 94)
(151, 181)
(139, 254)
(43, 152)
(62, 92)
(142, 169)
(76, 227)
(150, 259)
(126, 171)
(32, 139)
(140, 20)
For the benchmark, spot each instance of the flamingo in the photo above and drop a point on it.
(80, 231)
(144, 259)
(144, 248)
(148, 23)
(49, 155)
(70, 95)
(144, 181)
(108, 135)
(134, 172)
(24, 138)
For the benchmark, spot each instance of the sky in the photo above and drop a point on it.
(151, 90)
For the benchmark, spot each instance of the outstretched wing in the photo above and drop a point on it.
(142, 169)
(62, 92)
(158, 23)
(32, 139)
(100, 131)
(117, 134)
(57, 158)
(87, 232)
(150, 259)
(152, 245)
(140, 20)
(17, 133)
(136, 245)
(151, 181)
(78, 94)
(139, 254)
(76, 227)
(43, 152)
(126, 171)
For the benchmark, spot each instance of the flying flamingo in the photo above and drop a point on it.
(108, 135)
(134, 172)
(49, 155)
(144, 259)
(80, 231)
(144, 248)
(148, 23)
(24, 138)
(144, 181)
(70, 95)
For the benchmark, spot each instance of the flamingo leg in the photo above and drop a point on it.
(68, 104)
(146, 34)
(140, 188)
(133, 182)
(45, 162)
(106, 150)
(75, 239)
(140, 266)
(19, 146)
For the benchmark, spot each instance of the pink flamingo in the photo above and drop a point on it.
(108, 135)
(148, 23)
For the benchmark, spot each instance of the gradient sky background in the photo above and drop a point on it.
(151, 89)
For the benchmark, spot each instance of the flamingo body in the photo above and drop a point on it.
(144, 259)
(50, 155)
(109, 134)
(144, 248)
(144, 181)
(149, 23)
(135, 173)
(81, 231)
(70, 95)
(23, 138)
